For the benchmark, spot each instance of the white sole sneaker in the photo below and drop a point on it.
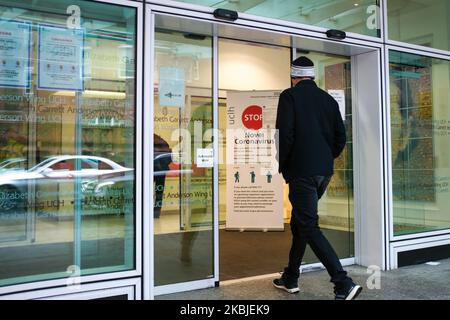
(354, 292)
(293, 290)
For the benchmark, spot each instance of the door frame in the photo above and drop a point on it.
(363, 53)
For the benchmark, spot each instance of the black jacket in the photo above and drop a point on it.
(311, 132)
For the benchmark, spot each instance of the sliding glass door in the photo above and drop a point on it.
(183, 154)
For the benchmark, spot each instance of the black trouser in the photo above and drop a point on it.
(304, 194)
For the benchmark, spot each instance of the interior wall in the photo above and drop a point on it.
(247, 66)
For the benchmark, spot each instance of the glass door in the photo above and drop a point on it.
(183, 179)
(183, 157)
(245, 66)
(336, 210)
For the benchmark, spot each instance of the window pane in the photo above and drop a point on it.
(183, 197)
(420, 131)
(423, 23)
(67, 121)
(358, 16)
(336, 205)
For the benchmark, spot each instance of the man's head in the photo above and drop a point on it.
(302, 68)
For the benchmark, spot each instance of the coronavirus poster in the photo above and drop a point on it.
(254, 187)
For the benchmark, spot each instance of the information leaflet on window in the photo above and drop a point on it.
(60, 58)
(14, 54)
(339, 96)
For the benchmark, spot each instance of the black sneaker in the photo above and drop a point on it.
(348, 293)
(283, 285)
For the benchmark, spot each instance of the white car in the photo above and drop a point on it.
(92, 174)
(16, 164)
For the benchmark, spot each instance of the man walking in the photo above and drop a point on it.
(311, 135)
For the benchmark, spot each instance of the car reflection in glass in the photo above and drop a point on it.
(95, 177)
(15, 164)
(164, 166)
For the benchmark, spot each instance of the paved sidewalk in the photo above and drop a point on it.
(424, 282)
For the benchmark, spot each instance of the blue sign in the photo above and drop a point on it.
(171, 87)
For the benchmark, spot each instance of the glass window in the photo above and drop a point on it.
(424, 23)
(420, 133)
(67, 122)
(358, 16)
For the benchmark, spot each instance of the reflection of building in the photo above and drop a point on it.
(387, 205)
(412, 85)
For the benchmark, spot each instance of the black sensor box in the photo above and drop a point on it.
(225, 14)
(336, 34)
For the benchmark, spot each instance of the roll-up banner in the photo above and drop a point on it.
(254, 187)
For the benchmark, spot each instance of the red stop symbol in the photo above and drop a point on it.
(252, 117)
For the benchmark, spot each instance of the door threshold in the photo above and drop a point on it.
(240, 280)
